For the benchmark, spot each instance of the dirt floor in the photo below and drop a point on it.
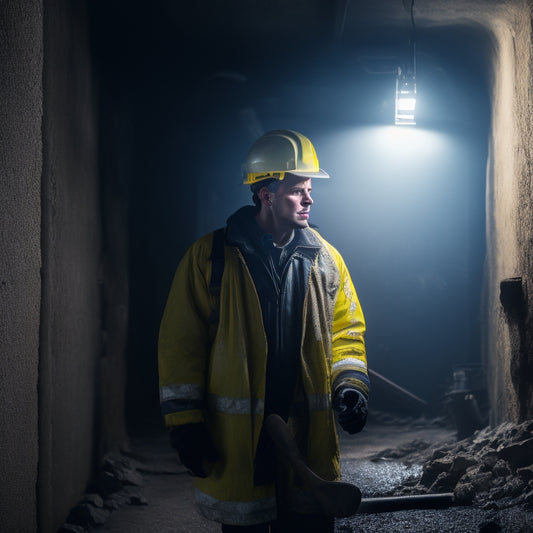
(167, 505)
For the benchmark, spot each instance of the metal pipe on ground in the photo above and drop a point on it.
(396, 394)
(389, 504)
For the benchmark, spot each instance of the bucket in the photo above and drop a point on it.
(468, 399)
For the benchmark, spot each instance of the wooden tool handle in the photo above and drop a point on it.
(283, 440)
(334, 498)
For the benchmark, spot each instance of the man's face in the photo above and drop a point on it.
(291, 202)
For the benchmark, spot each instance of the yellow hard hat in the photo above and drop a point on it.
(278, 152)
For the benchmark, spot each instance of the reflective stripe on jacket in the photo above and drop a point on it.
(217, 374)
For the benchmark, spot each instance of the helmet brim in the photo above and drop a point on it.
(310, 174)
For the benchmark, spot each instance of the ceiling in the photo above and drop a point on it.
(253, 53)
(243, 35)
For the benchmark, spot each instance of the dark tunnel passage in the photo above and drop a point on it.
(405, 205)
(124, 132)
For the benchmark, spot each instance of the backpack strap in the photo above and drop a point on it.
(217, 259)
(217, 270)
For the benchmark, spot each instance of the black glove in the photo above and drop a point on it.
(351, 408)
(194, 444)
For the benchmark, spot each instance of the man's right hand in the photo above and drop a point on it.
(193, 443)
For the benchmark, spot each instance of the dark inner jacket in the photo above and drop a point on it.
(280, 276)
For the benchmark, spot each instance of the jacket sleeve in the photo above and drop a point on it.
(348, 344)
(184, 338)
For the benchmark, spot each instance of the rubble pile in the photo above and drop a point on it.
(492, 469)
(112, 487)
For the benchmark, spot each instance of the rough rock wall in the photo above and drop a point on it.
(524, 174)
(509, 215)
(508, 337)
(21, 58)
(71, 277)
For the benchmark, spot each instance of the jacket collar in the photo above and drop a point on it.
(244, 232)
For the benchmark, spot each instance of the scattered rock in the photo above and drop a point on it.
(496, 493)
(528, 498)
(119, 499)
(105, 483)
(493, 468)
(514, 487)
(464, 493)
(123, 470)
(482, 481)
(501, 468)
(137, 499)
(87, 515)
(525, 473)
(71, 528)
(107, 491)
(517, 454)
(111, 504)
(461, 462)
(433, 469)
(444, 483)
(93, 499)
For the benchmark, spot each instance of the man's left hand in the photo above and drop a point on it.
(352, 410)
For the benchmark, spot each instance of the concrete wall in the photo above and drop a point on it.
(61, 382)
(21, 58)
(71, 342)
(115, 163)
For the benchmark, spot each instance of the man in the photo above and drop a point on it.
(280, 331)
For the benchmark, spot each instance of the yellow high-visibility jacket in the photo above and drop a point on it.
(215, 372)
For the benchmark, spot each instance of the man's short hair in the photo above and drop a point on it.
(271, 184)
